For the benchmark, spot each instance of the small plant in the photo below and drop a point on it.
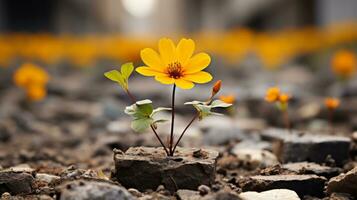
(331, 104)
(33, 80)
(281, 100)
(174, 66)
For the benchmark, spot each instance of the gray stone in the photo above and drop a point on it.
(48, 178)
(344, 183)
(135, 192)
(16, 182)
(22, 168)
(204, 189)
(340, 196)
(299, 147)
(302, 184)
(188, 195)
(277, 194)
(92, 190)
(254, 158)
(312, 168)
(252, 144)
(147, 168)
(194, 195)
(222, 195)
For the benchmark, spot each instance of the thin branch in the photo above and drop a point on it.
(183, 132)
(131, 96)
(157, 136)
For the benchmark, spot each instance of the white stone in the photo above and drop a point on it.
(277, 194)
(256, 157)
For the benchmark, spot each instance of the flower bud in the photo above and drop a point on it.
(216, 87)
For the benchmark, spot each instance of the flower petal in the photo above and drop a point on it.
(183, 84)
(199, 77)
(151, 58)
(197, 63)
(165, 79)
(167, 51)
(185, 50)
(147, 71)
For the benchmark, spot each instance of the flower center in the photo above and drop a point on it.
(175, 70)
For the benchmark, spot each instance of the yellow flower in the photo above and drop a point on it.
(175, 65)
(227, 98)
(344, 63)
(30, 74)
(332, 103)
(284, 98)
(33, 79)
(36, 93)
(272, 94)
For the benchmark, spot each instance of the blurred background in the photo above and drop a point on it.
(306, 47)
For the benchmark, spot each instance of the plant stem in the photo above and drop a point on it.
(152, 127)
(183, 132)
(287, 120)
(172, 120)
(157, 136)
(130, 95)
(330, 119)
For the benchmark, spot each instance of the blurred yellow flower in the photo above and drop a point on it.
(175, 65)
(227, 98)
(33, 79)
(272, 94)
(332, 103)
(36, 93)
(344, 63)
(30, 74)
(284, 98)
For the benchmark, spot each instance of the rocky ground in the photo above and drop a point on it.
(62, 148)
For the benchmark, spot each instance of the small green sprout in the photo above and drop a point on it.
(121, 77)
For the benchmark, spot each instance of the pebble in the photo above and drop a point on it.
(301, 184)
(254, 158)
(83, 190)
(203, 190)
(135, 192)
(277, 194)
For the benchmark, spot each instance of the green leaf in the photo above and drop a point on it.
(116, 76)
(142, 112)
(126, 70)
(143, 102)
(145, 107)
(194, 102)
(204, 109)
(219, 104)
(142, 124)
(159, 109)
